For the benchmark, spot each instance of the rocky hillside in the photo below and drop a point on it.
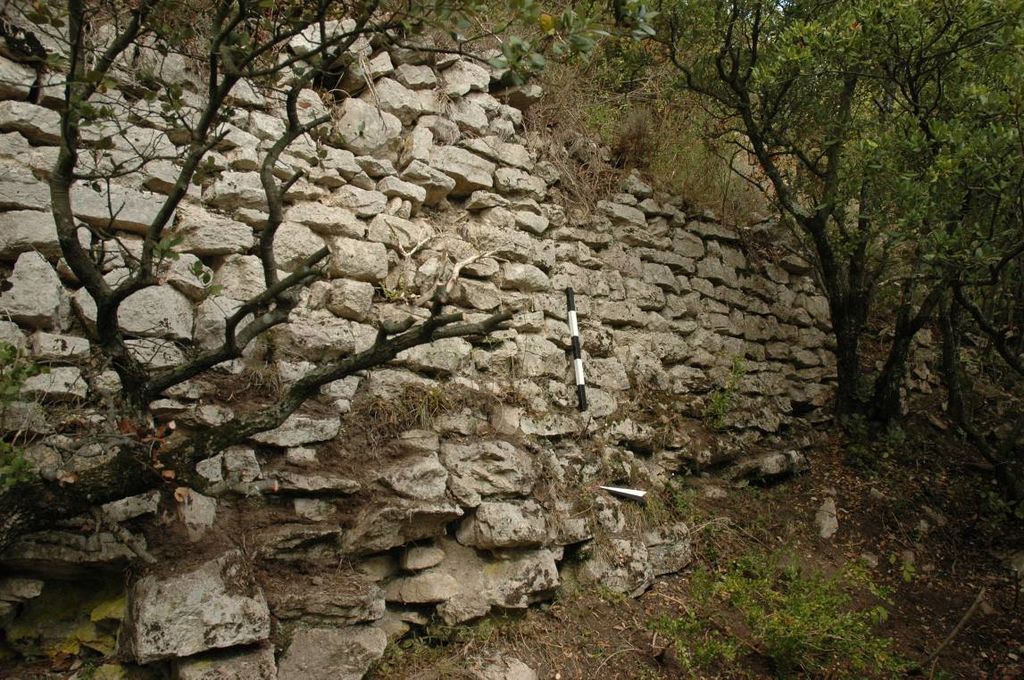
(459, 478)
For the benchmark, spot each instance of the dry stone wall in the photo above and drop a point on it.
(471, 510)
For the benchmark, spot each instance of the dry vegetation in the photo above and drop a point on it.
(623, 107)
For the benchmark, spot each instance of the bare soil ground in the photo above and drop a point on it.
(921, 521)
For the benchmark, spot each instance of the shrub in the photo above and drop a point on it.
(800, 623)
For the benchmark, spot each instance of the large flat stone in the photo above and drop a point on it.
(214, 606)
(332, 653)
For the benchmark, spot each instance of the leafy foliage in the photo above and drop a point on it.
(14, 370)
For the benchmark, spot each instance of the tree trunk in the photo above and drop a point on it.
(887, 404)
(847, 331)
(1007, 460)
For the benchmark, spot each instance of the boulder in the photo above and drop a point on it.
(513, 580)
(25, 230)
(365, 129)
(326, 219)
(234, 664)
(300, 429)
(504, 525)
(487, 469)
(204, 233)
(469, 171)
(332, 653)
(464, 77)
(359, 260)
(214, 606)
(35, 297)
(156, 312)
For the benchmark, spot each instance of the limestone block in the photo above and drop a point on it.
(394, 522)
(470, 117)
(419, 478)
(63, 383)
(360, 201)
(25, 230)
(38, 124)
(350, 299)
(50, 347)
(326, 219)
(332, 653)
(233, 190)
(35, 297)
(156, 312)
(504, 525)
(393, 186)
(517, 579)
(437, 184)
(469, 171)
(516, 182)
(240, 277)
(464, 77)
(204, 233)
(487, 469)
(396, 99)
(300, 429)
(423, 588)
(214, 606)
(416, 77)
(233, 664)
(294, 243)
(16, 80)
(365, 129)
(443, 357)
(27, 195)
(523, 277)
(358, 260)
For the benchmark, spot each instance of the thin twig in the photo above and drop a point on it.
(933, 657)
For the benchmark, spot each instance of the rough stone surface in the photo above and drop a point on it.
(235, 664)
(214, 606)
(364, 128)
(470, 172)
(504, 525)
(332, 653)
(35, 297)
(300, 429)
(25, 230)
(357, 260)
(488, 468)
(156, 312)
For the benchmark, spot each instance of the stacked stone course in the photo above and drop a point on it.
(426, 168)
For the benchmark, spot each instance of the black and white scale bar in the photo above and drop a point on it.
(577, 354)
